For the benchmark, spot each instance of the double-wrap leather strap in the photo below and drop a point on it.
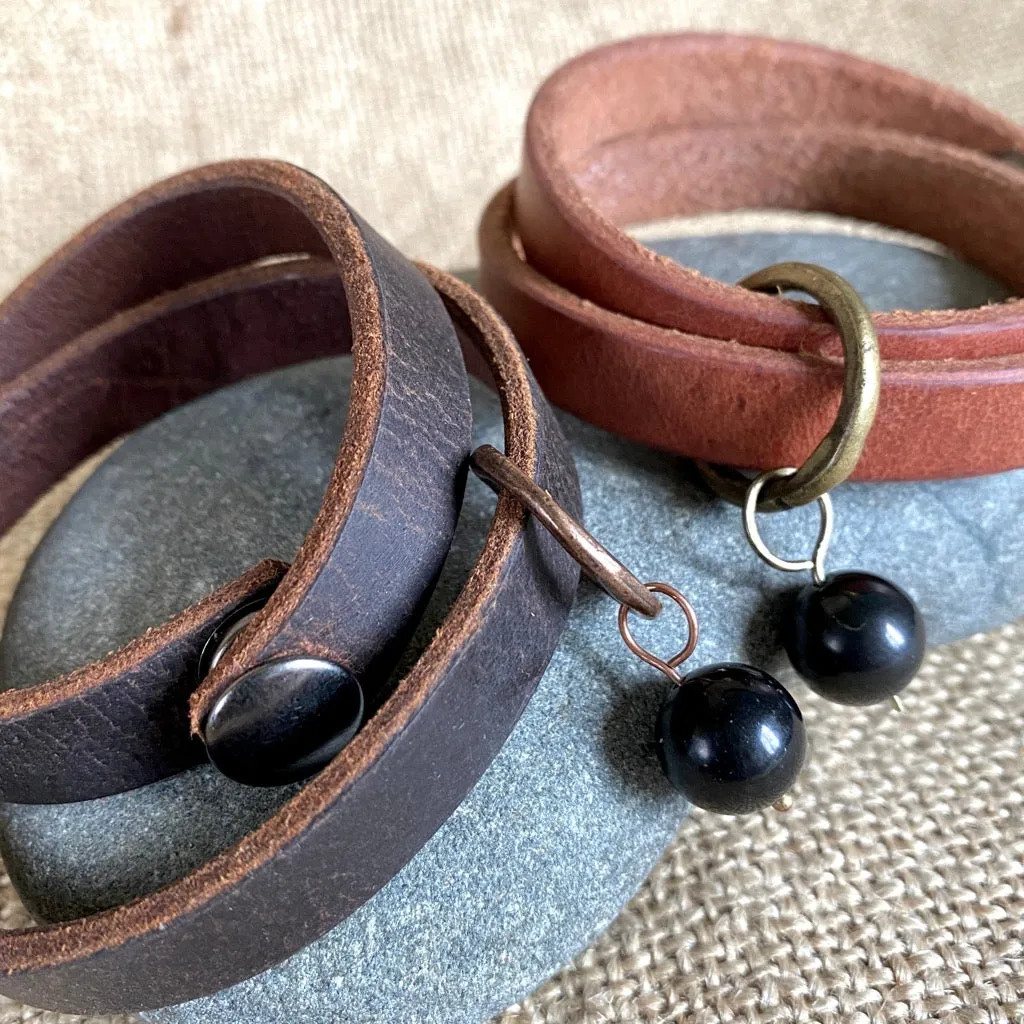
(666, 126)
(165, 298)
(129, 319)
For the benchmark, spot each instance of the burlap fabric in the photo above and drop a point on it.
(894, 890)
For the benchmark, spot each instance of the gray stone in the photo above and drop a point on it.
(887, 276)
(570, 817)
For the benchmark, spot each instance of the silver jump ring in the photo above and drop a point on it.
(817, 562)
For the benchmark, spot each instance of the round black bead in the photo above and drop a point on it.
(731, 738)
(283, 721)
(856, 638)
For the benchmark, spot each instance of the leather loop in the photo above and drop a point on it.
(352, 827)
(667, 126)
(81, 364)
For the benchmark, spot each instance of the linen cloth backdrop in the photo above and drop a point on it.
(894, 890)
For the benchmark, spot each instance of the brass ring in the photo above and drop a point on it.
(597, 561)
(839, 451)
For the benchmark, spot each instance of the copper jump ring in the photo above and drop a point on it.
(670, 666)
(839, 451)
(597, 561)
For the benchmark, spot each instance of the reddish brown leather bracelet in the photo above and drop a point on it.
(157, 302)
(673, 125)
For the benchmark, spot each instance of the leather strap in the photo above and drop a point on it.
(139, 313)
(75, 377)
(665, 126)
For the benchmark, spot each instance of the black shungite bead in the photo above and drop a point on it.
(731, 738)
(856, 638)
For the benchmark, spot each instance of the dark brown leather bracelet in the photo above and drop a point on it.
(666, 126)
(131, 318)
(173, 306)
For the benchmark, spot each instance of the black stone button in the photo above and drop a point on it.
(731, 738)
(856, 639)
(283, 721)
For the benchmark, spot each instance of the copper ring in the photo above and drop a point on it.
(668, 667)
(596, 560)
(839, 451)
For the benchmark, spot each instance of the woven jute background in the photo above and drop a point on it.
(894, 890)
